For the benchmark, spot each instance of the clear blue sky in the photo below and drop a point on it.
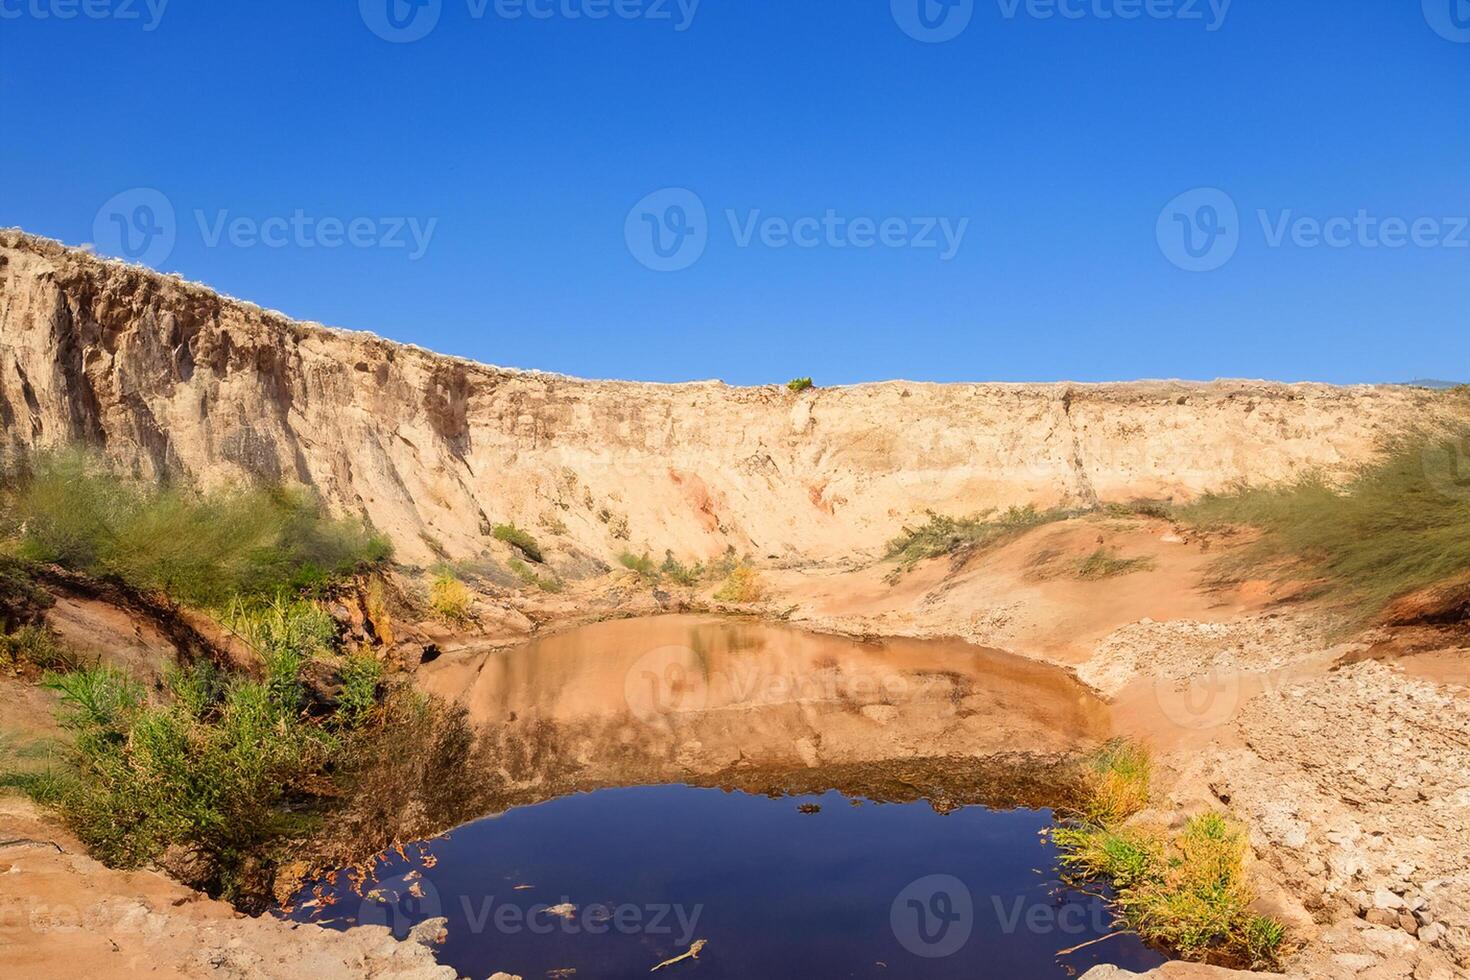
(530, 141)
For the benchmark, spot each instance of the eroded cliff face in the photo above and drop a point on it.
(168, 376)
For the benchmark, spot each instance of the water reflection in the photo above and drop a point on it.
(684, 698)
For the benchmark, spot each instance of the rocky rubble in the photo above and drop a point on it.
(1184, 649)
(1356, 786)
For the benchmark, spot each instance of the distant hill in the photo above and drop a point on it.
(1431, 383)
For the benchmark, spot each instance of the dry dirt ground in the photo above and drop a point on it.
(64, 915)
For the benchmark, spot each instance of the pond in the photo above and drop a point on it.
(796, 805)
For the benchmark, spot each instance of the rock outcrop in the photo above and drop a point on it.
(168, 376)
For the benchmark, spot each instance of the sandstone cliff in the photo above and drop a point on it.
(168, 376)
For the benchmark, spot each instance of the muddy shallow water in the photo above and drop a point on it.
(808, 805)
(675, 697)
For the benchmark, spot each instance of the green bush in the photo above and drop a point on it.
(286, 633)
(450, 599)
(34, 646)
(1186, 892)
(641, 564)
(520, 540)
(361, 675)
(942, 535)
(1399, 525)
(1106, 563)
(524, 572)
(204, 782)
(679, 573)
(743, 585)
(800, 384)
(200, 548)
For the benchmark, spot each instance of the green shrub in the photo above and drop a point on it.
(742, 585)
(1187, 893)
(1399, 525)
(200, 548)
(1106, 563)
(34, 646)
(520, 540)
(641, 564)
(361, 674)
(286, 633)
(942, 535)
(679, 573)
(204, 782)
(800, 384)
(546, 583)
(1142, 507)
(450, 599)
(1116, 782)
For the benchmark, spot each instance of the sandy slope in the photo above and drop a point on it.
(436, 450)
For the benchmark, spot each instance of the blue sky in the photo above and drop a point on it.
(800, 160)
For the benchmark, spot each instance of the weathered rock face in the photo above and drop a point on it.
(168, 376)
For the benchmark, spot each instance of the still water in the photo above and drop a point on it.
(698, 780)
